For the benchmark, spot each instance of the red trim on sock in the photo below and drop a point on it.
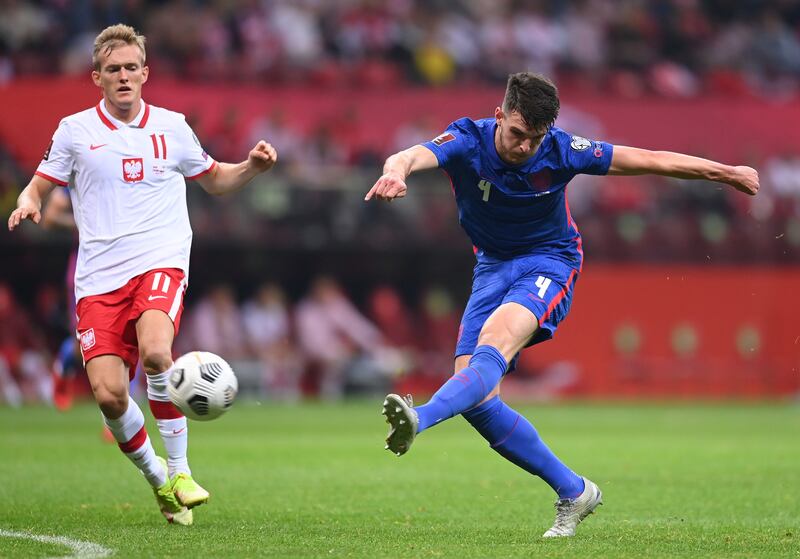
(135, 443)
(164, 410)
(504, 439)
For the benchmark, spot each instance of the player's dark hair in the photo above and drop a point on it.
(534, 97)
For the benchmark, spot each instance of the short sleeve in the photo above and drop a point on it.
(450, 145)
(195, 162)
(59, 158)
(584, 156)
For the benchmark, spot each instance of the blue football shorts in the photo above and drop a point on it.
(541, 284)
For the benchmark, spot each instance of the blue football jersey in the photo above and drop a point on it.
(512, 210)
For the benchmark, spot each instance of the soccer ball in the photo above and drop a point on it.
(202, 385)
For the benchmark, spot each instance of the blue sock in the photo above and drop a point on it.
(515, 439)
(465, 389)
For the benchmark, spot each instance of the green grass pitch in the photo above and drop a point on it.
(680, 480)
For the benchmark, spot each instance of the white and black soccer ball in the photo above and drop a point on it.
(202, 385)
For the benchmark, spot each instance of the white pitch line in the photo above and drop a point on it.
(80, 549)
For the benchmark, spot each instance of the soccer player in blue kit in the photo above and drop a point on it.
(509, 176)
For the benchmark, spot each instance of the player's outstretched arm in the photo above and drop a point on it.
(392, 184)
(29, 202)
(230, 177)
(635, 161)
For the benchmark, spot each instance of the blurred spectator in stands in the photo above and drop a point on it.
(268, 332)
(10, 182)
(392, 317)
(275, 127)
(539, 37)
(775, 54)
(585, 48)
(434, 63)
(23, 25)
(414, 131)
(324, 158)
(456, 32)
(298, 31)
(782, 177)
(225, 139)
(24, 374)
(336, 339)
(215, 325)
(51, 314)
(438, 330)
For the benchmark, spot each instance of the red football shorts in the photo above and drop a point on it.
(107, 322)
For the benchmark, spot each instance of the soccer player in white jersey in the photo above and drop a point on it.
(125, 162)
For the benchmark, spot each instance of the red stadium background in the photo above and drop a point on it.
(685, 293)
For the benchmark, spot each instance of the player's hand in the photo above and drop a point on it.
(262, 157)
(745, 179)
(22, 213)
(388, 187)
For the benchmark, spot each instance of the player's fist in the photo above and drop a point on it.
(745, 179)
(388, 187)
(22, 213)
(262, 157)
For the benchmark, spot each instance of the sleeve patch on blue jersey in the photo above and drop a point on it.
(579, 144)
(444, 138)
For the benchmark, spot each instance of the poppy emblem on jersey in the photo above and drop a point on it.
(88, 340)
(541, 181)
(132, 170)
(443, 138)
(579, 144)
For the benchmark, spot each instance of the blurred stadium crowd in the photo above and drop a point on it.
(320, 345)
(289, 342)
(671, 47)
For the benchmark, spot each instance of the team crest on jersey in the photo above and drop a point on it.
(580, 144)
(132, 169)
(443, 138)
(88, 340)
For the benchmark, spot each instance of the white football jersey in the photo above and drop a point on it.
(128, 192)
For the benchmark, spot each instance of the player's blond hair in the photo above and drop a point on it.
(115, 36)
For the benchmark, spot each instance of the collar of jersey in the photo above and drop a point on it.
(112, 123)
(499, 164)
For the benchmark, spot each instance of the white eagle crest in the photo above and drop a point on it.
(133, 169)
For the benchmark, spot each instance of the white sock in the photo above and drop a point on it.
(174, 433)
(132, 438)
(172, 426)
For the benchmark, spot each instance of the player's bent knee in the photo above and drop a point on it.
(112, 403)
(501, 341)
(508, 336)
(158, 360)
